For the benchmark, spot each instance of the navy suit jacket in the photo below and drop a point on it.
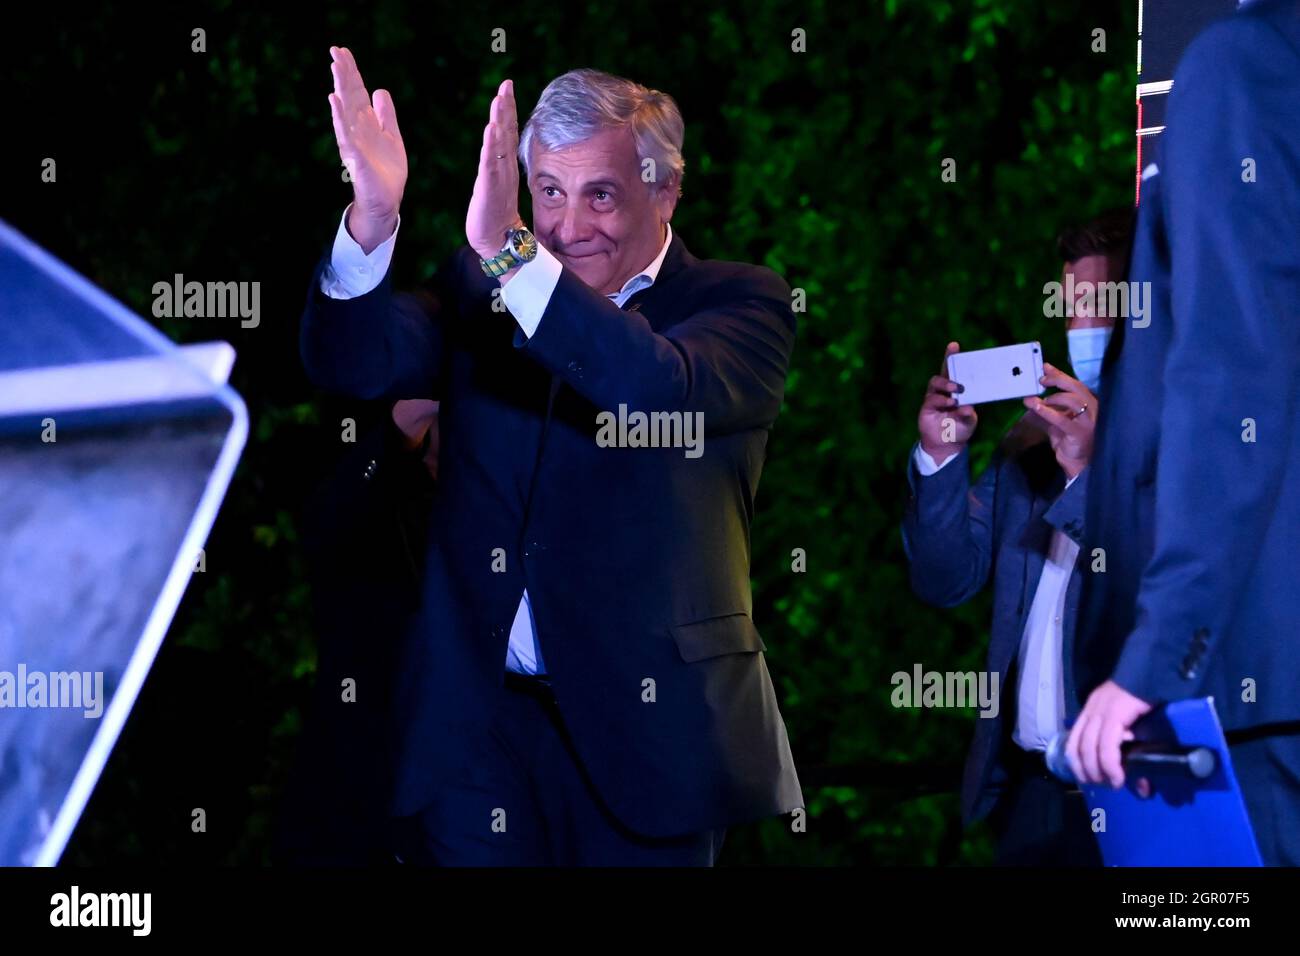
(636, 560)
(960, 537)
(1198, 525)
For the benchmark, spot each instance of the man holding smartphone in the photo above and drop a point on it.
(1020, 525)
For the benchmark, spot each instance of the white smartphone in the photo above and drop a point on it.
(991, 375)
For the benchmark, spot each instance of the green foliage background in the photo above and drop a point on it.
(824, 165)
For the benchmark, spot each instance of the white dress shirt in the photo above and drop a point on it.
(1040, 688)
(351, 273)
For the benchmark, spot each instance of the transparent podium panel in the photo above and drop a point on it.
(116, 448)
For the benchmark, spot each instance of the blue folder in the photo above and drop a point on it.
(1184, 821)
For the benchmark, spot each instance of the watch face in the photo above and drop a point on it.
(523, 244)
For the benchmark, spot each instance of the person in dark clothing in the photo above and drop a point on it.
(364, 530)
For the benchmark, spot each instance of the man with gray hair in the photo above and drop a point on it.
(583, 683)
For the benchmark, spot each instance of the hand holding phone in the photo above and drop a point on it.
(945, 422)
(1069, 417)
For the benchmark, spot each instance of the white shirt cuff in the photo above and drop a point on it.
(528, 293)
(350, 272)
(925, 464)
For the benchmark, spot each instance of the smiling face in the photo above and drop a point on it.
(593, 212)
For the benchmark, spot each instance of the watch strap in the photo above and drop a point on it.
(499, 264)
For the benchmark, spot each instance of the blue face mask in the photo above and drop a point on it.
(1087, 347)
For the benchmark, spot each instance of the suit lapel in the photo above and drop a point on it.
(677, 258)
(656, 302)
(1046, 482)
(649, 301)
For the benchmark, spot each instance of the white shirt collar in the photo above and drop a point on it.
(648, 275)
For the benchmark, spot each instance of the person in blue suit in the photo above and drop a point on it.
(1193, 498)
(583, 682)
(1018, 527)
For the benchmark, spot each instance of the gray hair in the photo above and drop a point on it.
(581, 103)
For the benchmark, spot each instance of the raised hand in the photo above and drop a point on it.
(1070, 416)
(944, 423)
(494, 206)
(370, 145)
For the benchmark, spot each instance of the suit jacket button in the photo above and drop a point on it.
(371, 468)
(575, 368)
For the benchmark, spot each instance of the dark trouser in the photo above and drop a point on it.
(1040, 821)
(524, 800)
(1268, 770)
